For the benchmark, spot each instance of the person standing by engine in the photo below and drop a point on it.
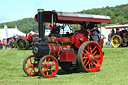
(109, 39)
(103, 37)
(5, 43)
(1, 45)
(12, 42)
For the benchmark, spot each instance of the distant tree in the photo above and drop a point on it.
(76, 27)
(117, 14)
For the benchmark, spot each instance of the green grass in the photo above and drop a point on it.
(114, 70)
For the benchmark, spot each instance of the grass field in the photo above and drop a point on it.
(114, 70)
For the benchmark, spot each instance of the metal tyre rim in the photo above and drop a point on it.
(48, 66)
(21, 44)
(116, 41)
(30, 66)
(90, 57)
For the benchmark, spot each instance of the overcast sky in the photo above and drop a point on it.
(12, 10)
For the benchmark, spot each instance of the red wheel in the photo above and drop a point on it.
(90, 56)
(48, 66)
(30, 66)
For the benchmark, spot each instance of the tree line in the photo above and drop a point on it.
(25, 25)
(118, 15)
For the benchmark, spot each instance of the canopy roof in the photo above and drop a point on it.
(11, 32)
(73, 18)
(117, 26)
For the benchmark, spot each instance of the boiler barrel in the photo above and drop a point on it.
(41, 50)
(49, 49)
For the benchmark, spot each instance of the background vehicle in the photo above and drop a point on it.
(26, 42)
(9, 42)
(70, 51)
(119, 35)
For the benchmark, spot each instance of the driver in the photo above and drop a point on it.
(55, 31)
(93, 32)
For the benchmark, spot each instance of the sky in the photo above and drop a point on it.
(12, 10)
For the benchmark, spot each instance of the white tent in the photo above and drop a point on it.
(32, 32)
(105, 32)
(11, 32)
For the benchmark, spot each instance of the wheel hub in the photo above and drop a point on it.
(91, 57)
(116, 41)
(35, 65)
(49, 66)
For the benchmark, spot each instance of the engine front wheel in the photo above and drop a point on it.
(48, 66)
(30, 66)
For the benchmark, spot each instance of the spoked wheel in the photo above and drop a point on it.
(116, 41)
(67, 67)
(90, 56)
(124, 42)
(30, 66)
(22, 44)
(48, 66)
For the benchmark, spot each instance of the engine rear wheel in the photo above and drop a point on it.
(116, 41)
(30, 66)
(48, 66)
(22, 44)
(90, 56)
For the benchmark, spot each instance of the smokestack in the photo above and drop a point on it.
(41, 25)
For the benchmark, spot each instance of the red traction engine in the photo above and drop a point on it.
(69, 51)
(26, 42)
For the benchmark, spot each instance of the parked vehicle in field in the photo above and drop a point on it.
(119, 35)
(9, 42)
(70, 51)
(27, 41)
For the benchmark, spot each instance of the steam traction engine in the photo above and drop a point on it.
(26, 42)
(119, 36)
(70, 51)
